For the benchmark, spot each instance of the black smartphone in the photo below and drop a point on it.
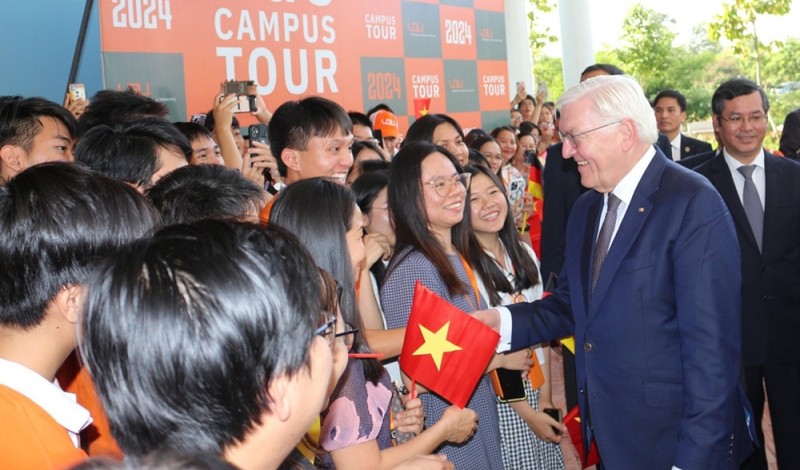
(509, 386)
(258, 133)
(557, 415)
(529, 156)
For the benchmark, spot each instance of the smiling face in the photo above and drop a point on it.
(491, 151)
(597, 153)
(328, 157)
(488, 206)
(205, 152)
(447, 136)
(443, 212)
(508, 144)
(742, 140)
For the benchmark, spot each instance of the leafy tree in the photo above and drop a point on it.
(782, 65)
(648, 54)
(737, 23)
(540, 34)
(549, 70)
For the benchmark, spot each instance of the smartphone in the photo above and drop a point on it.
(258, 133)
(520, 84)
(77, 91)
(529, 156)
(508, 385)
(542, 88)
(247, 102)
(557, 415)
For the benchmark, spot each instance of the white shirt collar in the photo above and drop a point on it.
(627, 186)
(733, 163)
(60, 405)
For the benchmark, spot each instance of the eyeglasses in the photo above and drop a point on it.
(738, 119)
(567, 137)
(442, 185)
(327, 329)
(494, 156)
(348, 335)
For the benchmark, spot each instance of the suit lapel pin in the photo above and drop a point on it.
(641, 210)
(686, 149)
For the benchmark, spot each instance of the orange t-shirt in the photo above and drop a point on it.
(30, 438)
(96, 439)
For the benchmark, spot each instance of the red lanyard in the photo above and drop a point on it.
(473, 282)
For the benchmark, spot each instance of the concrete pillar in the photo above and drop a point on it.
(576, 39)
(517, 47)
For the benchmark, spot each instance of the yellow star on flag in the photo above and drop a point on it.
(423, 111)
(436, 344)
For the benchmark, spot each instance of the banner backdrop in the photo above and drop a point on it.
(356, 52)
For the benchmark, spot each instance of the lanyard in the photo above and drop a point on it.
(473, 282)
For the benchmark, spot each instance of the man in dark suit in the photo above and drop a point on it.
(651, 255)
(670, 109)
(790, 136)
(768, 228)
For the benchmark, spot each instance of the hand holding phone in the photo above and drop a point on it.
(557, 415)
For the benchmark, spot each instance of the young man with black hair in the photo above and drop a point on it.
(310, 138)
(138, 152)
(210, 337)
(57, 219)
(112, 107)
(33, 131)
(670, 109)
(197, 192)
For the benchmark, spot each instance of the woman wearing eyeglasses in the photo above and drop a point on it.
(356, 427)
(427, 194)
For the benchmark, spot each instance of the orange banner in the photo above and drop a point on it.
(358, 53)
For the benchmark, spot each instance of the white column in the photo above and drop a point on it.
(518, 47)
(576, 39)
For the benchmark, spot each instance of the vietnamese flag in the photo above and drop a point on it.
(573, 423)
(422, 107)
(537, 193)
(444, 348)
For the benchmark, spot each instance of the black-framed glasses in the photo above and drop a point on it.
(348, 335)
(327, 329)
(442, 185)
(567, 137)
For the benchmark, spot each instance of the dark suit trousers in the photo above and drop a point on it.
(783, 390)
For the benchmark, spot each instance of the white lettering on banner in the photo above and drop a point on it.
(494, 85)
(380, 27)
(457, 32)
(425, 86)
(141, 14)
(324, 65)
(275, 27)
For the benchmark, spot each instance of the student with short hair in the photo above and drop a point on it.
(210, 337)
(57, 218)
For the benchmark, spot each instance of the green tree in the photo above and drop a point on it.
(648, 51)
(549, 70)
(540, 34)
(737, 23)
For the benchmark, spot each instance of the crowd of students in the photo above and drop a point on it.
(171, 296)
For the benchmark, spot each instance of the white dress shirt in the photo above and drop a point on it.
(759, 176)
(60, 405)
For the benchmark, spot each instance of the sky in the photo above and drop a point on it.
(607, 17)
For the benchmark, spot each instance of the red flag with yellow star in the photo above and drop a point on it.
(422, 107)
(445, 349)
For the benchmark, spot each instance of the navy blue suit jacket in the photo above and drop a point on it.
(658, 342)
(770, 278)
